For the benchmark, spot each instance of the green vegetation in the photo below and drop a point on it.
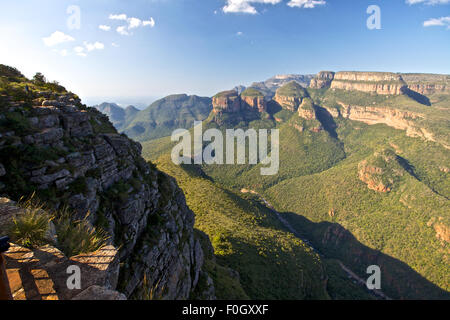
(252, 92)
(272, 264)
(32, 228)
(164, 116)
(226, 94)
(77, 237)
(292, 89)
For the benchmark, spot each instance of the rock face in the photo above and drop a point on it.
(322, 80)
(254, 100)
(398, 119)
(290, 96)
(72, 155)
(383, 83)
(226, 102)
(427, 84)
(306, 110)
(232, 102)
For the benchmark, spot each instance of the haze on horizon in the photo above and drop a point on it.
(150, 48)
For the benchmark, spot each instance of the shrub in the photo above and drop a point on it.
(30, 228)
(77, 237)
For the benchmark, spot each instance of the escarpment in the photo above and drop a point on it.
(382, 83)
(427, 84)
(72, 156)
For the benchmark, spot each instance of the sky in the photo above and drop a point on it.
(136, 51)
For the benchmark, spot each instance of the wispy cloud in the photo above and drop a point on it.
(239, 33)
(104, 27)
(428, 2)
(57, 37)
(245, 6)
(122, 30)
(438, 22)
(132, 23)
(306, 3)
(88, 47)
(94, 46)
(248, 6)
(121, 16)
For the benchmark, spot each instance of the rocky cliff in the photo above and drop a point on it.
(427, 84)
(254, 100)
(290, 96)
(226, 102)
(322, 80)
(71, 155)
(383, 83)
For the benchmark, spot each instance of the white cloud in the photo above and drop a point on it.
(429, 2)
(438, 22)
(122, 30)
(93, 46)
(57, 37)
(239, 33)
(80, 51)
(306, 3)
(115, 45)
(122, 16)
(150, 23)
(248, 6)
(245, 6)
(104, 27)
(88, 47)
(134, 23)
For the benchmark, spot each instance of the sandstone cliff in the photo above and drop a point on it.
(254, 100)
(383, 83)
(427, 84)
(226, 102)
(322, 80)
(72, 155)
(290, 96)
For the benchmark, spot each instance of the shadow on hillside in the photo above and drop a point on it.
(420, 98)
(327, 121)
(399, 281)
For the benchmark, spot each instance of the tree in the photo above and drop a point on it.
(39, 78)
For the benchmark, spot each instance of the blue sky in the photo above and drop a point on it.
(205, 46)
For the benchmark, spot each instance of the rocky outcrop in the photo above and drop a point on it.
(72, 155)
(254, 100)
(322, 80)
(383, 83)
(290, 96)
(398, 119)
(381, 171)
(306, 110)
(427, 84)
(226, 102)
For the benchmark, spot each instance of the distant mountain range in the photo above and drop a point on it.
(160, 118)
